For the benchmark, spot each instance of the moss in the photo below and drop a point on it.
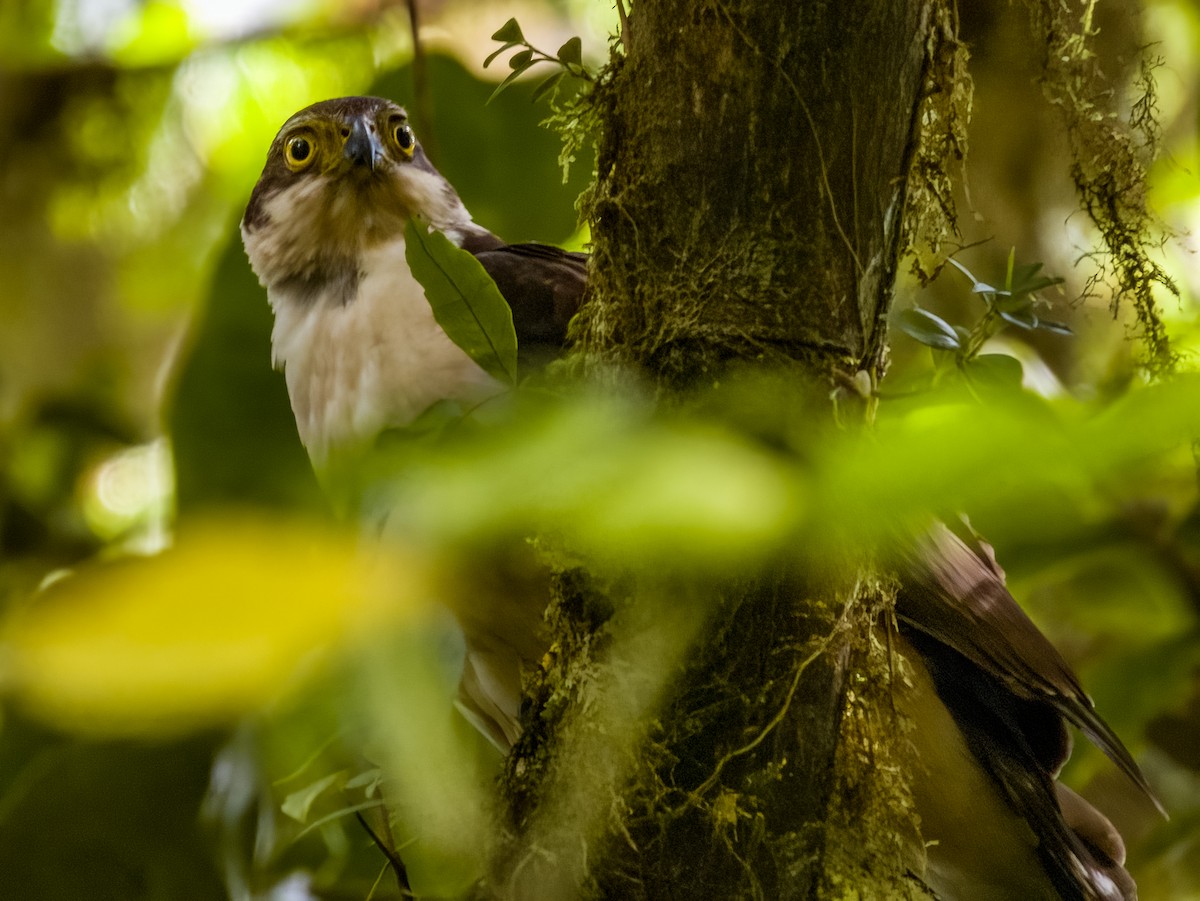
(940, 135)
(873, 806)
(1110, 155)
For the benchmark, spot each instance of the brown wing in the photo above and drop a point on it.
(542, 284)
(954, 592)
(1009, 691)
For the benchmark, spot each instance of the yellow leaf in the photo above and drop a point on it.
(236, 612)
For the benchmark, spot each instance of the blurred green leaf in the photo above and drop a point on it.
(466, 302)
(217, 626)
(997, 372)
(123, 814)
(298, 803)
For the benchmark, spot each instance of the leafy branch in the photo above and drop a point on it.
(1015, 304)
(569, 59)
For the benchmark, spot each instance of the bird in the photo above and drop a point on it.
(353, 332)
(988, 696)
(999, 732)
(360, 349)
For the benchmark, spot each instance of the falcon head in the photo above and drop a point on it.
(341, 177)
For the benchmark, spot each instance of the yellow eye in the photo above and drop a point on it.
(405, 140)
(298, 153)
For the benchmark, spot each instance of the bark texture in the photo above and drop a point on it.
(752, 178)
(751, 181)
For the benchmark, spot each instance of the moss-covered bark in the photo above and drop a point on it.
(752, 180)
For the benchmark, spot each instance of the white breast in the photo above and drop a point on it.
(375, 362)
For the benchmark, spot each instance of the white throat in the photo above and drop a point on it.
(368, 358)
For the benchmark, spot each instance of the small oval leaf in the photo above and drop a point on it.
(928, 329)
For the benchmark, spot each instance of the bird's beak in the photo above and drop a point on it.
(362, 146)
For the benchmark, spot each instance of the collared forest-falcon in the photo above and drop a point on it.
(361, 352)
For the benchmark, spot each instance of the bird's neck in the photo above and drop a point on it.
(361, 352)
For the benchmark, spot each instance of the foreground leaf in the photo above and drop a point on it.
(236, 613)
(465, 300)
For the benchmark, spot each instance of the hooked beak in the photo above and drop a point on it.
(362, 146)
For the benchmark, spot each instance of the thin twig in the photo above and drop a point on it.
(393, 858)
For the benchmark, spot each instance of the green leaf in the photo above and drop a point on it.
(1059, 328)
(994, 371)
(519, 62)
(369, 781)
(571, 53)
(547, 86)
(1014, 303)
(465, 300)
(1034, 285)
(965, 271)
(512, 76)
(509, 32)
(1025, 318)
(102, 654)
(928, 328)
(298, 803)
(1024, 279)
(492, 56)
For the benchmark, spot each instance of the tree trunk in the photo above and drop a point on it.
(752, 182)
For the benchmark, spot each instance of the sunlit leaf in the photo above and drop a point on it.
(596, 472)
(465, 300)
(225, 621)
